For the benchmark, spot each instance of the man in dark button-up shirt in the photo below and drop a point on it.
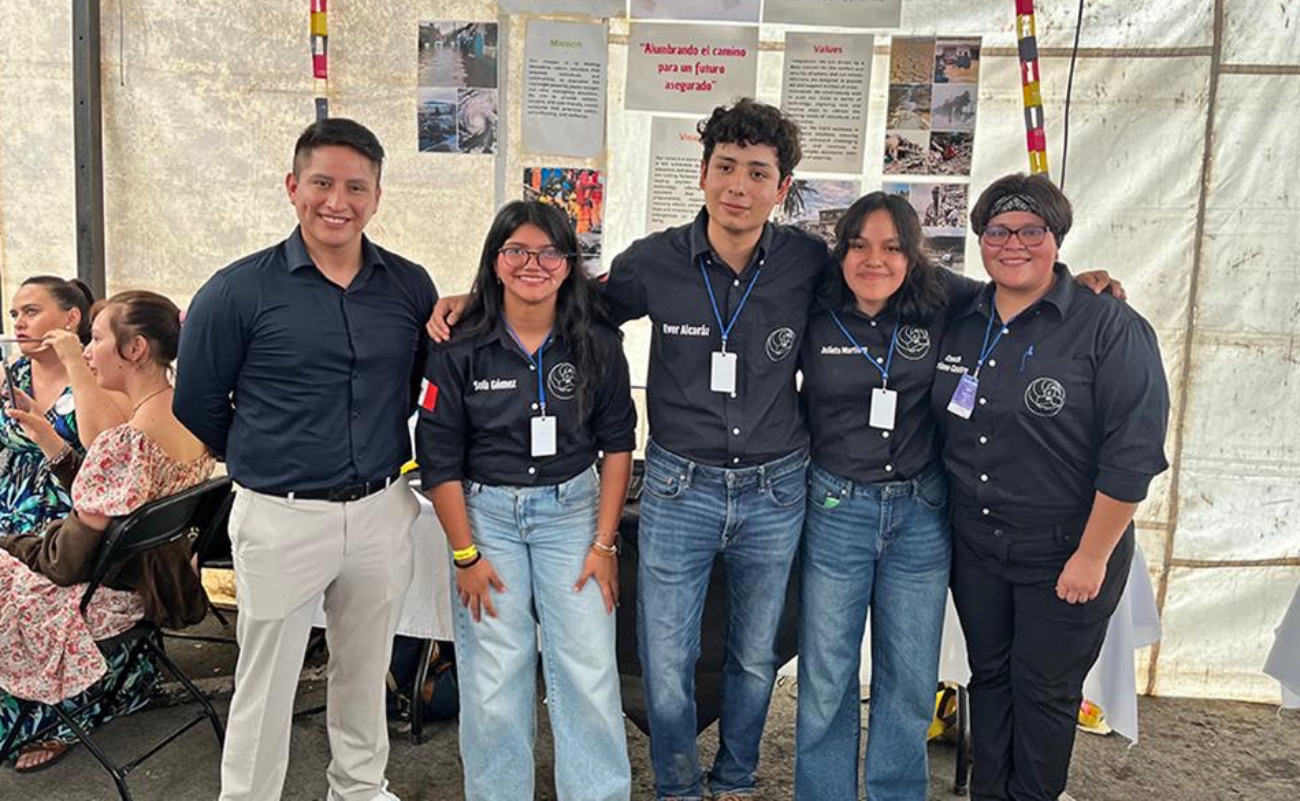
(297, 364)
(728, 298)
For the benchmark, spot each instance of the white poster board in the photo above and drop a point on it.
(564, 88)
(689, 69)
(824, 88)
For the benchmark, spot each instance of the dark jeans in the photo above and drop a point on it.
(1029, 651)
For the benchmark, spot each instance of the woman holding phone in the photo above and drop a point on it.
(54, 408)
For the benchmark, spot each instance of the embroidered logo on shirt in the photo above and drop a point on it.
(562, 381)
(780, 343)
(913, 343)
(1045, 397)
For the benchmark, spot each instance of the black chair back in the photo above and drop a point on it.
(157, 523)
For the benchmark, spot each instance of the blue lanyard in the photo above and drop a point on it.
(889, 360)
(986, 350)
(726, 329)
(536, 363)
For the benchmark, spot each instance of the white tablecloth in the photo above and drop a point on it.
(426, 610)
(1284, 660)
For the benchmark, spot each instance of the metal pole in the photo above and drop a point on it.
(88, 137)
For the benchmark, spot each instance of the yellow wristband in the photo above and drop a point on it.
(465, 553)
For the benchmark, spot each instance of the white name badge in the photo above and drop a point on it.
(722, 376)
(884, 407)
(963, 397)
(543, 436)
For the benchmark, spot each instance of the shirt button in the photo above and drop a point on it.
(884, 434)
(880, 360)
(889, 468)
(993, 362)
(985, 511)
(534, 407)
(1006, 330)
(983, 401)
(735, 431)
(735, 460)
(532, 367)
(873, 323)
(736, 282)
(533, 471)
(733, 394)
(984, 477)
(984, 440)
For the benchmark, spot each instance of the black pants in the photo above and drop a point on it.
(1029, 651)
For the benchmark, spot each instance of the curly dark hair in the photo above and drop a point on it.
(578, 307)
(749, 122)
(922, 295)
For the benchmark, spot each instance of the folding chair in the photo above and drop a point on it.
(154, 524)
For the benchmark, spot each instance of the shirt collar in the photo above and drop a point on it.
(699, 238)
(296, 256)
(1058, 297)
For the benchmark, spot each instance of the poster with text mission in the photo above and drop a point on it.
(564, 88)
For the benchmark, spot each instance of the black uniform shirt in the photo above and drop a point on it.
(480, 426)
(299, 383)
(660, 276)
(1072, 401)
(837, 387)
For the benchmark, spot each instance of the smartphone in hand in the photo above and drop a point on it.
(11, 396)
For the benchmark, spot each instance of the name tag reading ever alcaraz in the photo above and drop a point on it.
(543, 435)
(722, 374)
(963, 397)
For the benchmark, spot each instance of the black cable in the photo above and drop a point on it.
(1069, 92)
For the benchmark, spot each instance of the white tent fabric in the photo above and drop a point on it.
(1183, 169)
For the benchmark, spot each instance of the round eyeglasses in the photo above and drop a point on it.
(547, 258)
(1029, 235)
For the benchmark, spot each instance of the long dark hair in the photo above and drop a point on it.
(578, 307)
(922, 295)
(69, 294)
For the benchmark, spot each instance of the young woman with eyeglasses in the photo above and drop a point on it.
(515, 410)
(1054, 406)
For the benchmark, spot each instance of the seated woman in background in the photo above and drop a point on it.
(51, 319)
(42, 575)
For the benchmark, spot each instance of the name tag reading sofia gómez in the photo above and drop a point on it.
(963, 397)
(722, 376)
(884, 408)
(543, 436)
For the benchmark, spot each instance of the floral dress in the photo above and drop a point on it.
(30, 496)
(50, 651)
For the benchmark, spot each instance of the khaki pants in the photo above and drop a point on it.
(288, 553)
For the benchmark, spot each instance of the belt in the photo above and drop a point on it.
(351, 492)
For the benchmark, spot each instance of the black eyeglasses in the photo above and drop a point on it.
(1029, 235)
(549, 259)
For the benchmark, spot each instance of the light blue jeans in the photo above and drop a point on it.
(690, 513)
(537, 539)
(886, 547)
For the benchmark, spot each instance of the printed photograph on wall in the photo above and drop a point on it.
(933, 100)
(816, 206)
(580, 194)
(456, 96)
